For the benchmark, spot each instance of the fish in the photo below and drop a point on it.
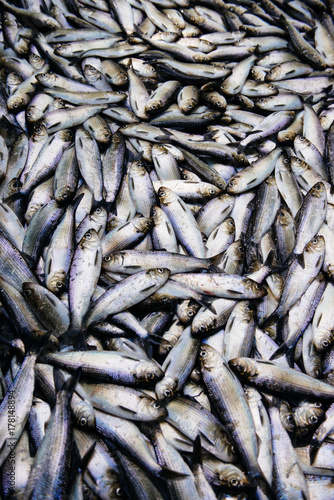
(166, 190)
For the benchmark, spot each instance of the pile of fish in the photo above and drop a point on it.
(167, 249)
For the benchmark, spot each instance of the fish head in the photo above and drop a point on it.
(299, 166)
(322, 339)
(47, 78)
(228, 226)
(245, 367)
(307, 415)
(153, 106)
(286, 136)
(166, 389)
(236, 250)
(188, 105)
(166, 196)
(137, 168)
(143, 224)
(120, 79)
(103, 135)
(33, 114)
(31, 293)
(61, 48)
(91, 72)
(159, 275)
(166, 344)
(109, 486)
(63, 195)
(56, 282)
(113, 261)
(208, 357)
(255, 289)
(40, 132)
(262, 103)
(148, 372)
(66, 134)
(284, 217)
(316, 245)
(301, 143)
(158, 215)
(200, 327)
(84, 415)
(36, 61)
(15, 103)
(229, 475)
(52, 24)
(209, 191)
(59, 103)
(151, 409)
(245, 310)
(318, 190)
(90, 240)
(186, 311)
(286, 416)
(159, 149)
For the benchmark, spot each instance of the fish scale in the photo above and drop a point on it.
(166, 176)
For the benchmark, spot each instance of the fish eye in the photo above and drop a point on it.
(168, 393)
(88, 235)
(150, 376)
(318, 404)
(203, 354)
(59, 284)
(286, 161)
(302, 138)
(202, 328)
(313, 419)
(289, 418)
(325, 343)
(272, 87)
(190, 313)
(83, 421)
(231, 183)
(239, 368)
(160, 270)
(27, 292)
(212, 191)
(119, 492)
(156, 405)
(107, 259)
(98, 211)
(64, 196)
(234, 482)
(315, 240)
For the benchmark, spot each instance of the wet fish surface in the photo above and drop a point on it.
(166, 249)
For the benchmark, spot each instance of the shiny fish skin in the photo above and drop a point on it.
(166, 187)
